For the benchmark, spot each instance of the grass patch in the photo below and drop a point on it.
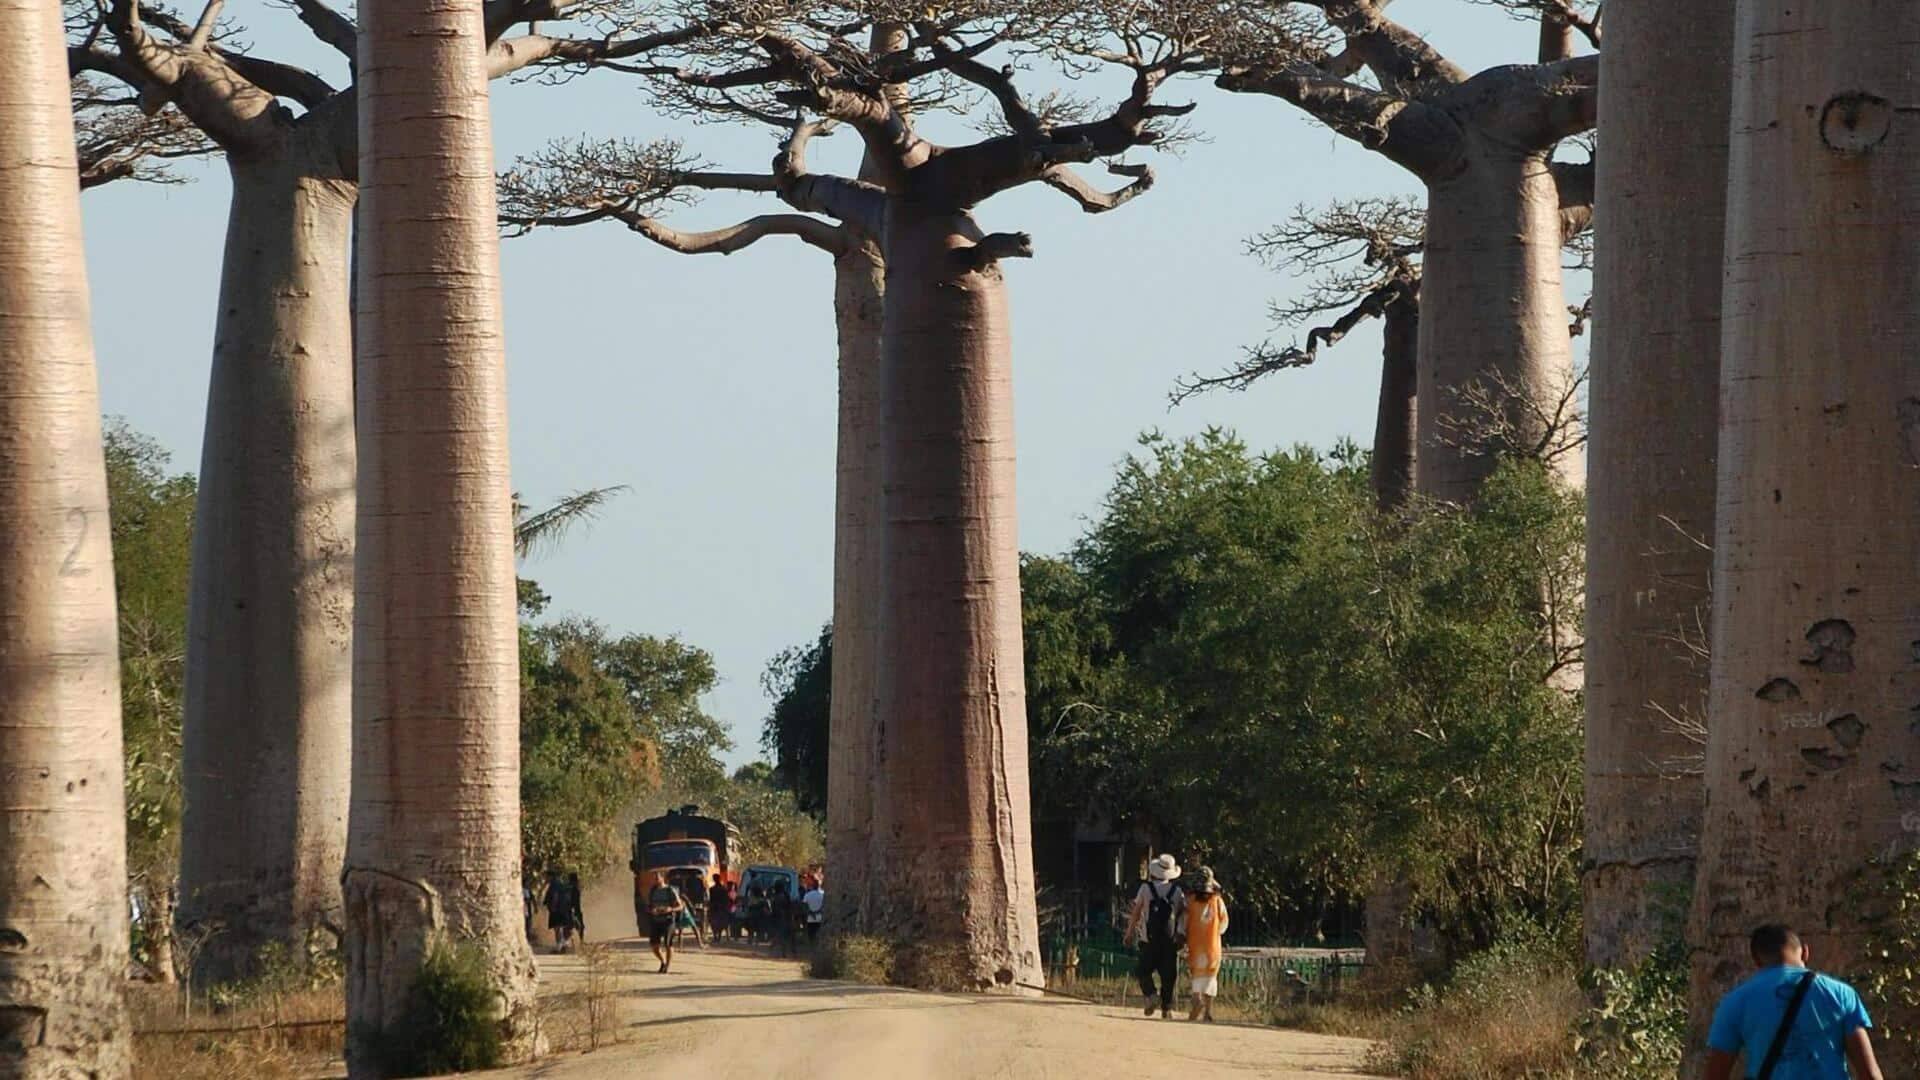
(279, 1036)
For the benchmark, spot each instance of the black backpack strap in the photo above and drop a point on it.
(1786, 1027)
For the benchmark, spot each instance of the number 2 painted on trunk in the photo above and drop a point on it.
(71, 567)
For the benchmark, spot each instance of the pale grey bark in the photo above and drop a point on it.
(951, 816)
(1493, 316)
(433, 848)
(1652, 414)
(858, 292)
(63, 871)
(270, 620)
(1813, 766)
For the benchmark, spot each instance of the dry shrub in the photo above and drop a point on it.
(1505, 1014)
(273, 1037)
(584, 1017)
(941, 967)
(853, 958)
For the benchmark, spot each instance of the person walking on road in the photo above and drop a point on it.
(1206, 926)
(1789, 1023)
(720, 907)
(696, 913)
(576, 918)
(559, 910)
(1158, 909)
(816, 904)
(664, 905)
(780, 917)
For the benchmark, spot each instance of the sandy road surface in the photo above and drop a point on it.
(734, 1013)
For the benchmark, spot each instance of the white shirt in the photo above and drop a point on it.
(816, 902)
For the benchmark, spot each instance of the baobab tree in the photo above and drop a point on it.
(1366, 255)
(950, 832)
(114, 140)
(63, 914)
(584, 182)
(1492, 332)
(268, 696)
(1813, 768)
(1653, 408)
(433, 847)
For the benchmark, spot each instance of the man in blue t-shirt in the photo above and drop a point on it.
(1829, 1032)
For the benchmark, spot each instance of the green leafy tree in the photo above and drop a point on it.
(151, 513)
(800, 682)
(605, 723)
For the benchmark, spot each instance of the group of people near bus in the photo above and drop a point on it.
(760, 910)
(1172, 912)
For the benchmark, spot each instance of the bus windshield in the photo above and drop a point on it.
(679, 853)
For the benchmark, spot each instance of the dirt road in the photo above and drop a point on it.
(734, 1013)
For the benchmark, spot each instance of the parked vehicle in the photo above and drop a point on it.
(680, 847)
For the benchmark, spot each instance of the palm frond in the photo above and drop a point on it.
(538, 530)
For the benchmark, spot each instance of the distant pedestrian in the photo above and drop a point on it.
(576, 917)
(1789, 1023)
(664, 905)
(720, 907)
(759, 912)
(1206, 926)
(696, 913)
(526, 901)
(1158, 910)
(816, 905)
(559, 910)
(780, 915)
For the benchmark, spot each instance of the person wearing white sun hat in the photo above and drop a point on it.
(1159, 911)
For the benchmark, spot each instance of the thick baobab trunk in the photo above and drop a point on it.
(1653, 411)
(1813, 764)
(1395, 423)
(1494, 347)
(268, 718)
(859, 281)
(433, 846)
(63, 870)
(952, 826)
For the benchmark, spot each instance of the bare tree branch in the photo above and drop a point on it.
(993, 247)
(1092, 199)
(330, 26)
(1419, 137)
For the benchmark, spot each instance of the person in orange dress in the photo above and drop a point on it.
(1206, 926)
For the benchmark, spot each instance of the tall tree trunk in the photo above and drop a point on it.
(433, 847)
(1813, 764)
(63, 869)
(1494, 347)
(858, 286)
(1653, 410)
(270, 623)
(952, 825)
(1395, 422)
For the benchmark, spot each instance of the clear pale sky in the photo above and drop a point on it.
(706, 383)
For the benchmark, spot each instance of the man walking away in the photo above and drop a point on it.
(780, 915)
(1158, 908)
(576, 918)
(663, 907)
(816, 902)
(1789, 1023)
(720, 907)
(559, 909)
(697, 908)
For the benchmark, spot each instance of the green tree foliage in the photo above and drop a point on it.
(1245, 659)
(151, 522)
(800, 682)
(605, 722)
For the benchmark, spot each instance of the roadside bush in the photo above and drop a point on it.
(853, 958)
(1638, 1025)
(450, 1024)
(1507, 1013)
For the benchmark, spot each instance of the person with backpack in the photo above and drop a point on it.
(1159, 909)
(1789, 1023)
